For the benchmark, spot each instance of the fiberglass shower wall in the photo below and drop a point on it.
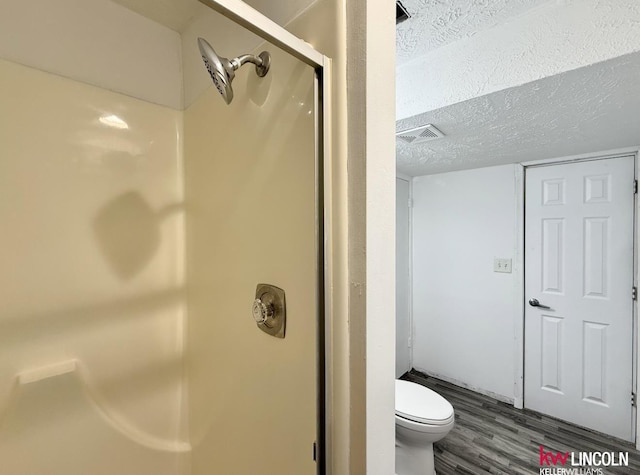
(91, 221)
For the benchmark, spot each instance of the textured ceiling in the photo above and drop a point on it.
(435, 23)
(176, 14)
(584, 110)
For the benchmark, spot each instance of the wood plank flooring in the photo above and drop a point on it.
(492, 437)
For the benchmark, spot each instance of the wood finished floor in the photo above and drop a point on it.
(493, 437)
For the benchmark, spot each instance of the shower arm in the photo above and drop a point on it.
(246, 58)
(262, 62)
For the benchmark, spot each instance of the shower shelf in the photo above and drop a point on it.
(55, 422)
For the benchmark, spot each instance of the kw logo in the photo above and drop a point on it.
(549, 458)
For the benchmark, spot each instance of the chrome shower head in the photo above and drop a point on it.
(222, 70)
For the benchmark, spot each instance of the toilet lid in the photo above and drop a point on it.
(420, 404)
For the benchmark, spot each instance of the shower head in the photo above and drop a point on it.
(222, 70)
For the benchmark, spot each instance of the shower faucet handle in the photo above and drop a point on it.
(269, 310)
(262, 312)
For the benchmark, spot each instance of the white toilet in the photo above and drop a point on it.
(422, 418)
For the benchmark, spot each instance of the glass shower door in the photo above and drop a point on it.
(251, 202)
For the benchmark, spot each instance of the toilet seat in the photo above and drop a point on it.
(419, 404)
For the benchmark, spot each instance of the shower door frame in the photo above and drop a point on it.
(255, 22)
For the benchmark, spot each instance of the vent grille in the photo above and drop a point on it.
(421, 134)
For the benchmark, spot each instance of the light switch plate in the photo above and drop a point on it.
(501, 264)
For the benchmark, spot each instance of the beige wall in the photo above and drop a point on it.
(359, 37)
(92, 292)
(324, 26)
(379, 135)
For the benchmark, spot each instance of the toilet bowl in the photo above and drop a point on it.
(422, 418)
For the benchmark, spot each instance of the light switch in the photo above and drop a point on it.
(501, 264)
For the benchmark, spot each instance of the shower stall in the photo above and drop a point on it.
(162, 266)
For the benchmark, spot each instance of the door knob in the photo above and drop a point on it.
(535, 303)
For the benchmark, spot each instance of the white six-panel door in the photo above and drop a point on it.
(579, 263)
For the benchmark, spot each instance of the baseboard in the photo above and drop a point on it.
(484, 392)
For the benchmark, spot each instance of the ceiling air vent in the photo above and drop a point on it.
(424, 133)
